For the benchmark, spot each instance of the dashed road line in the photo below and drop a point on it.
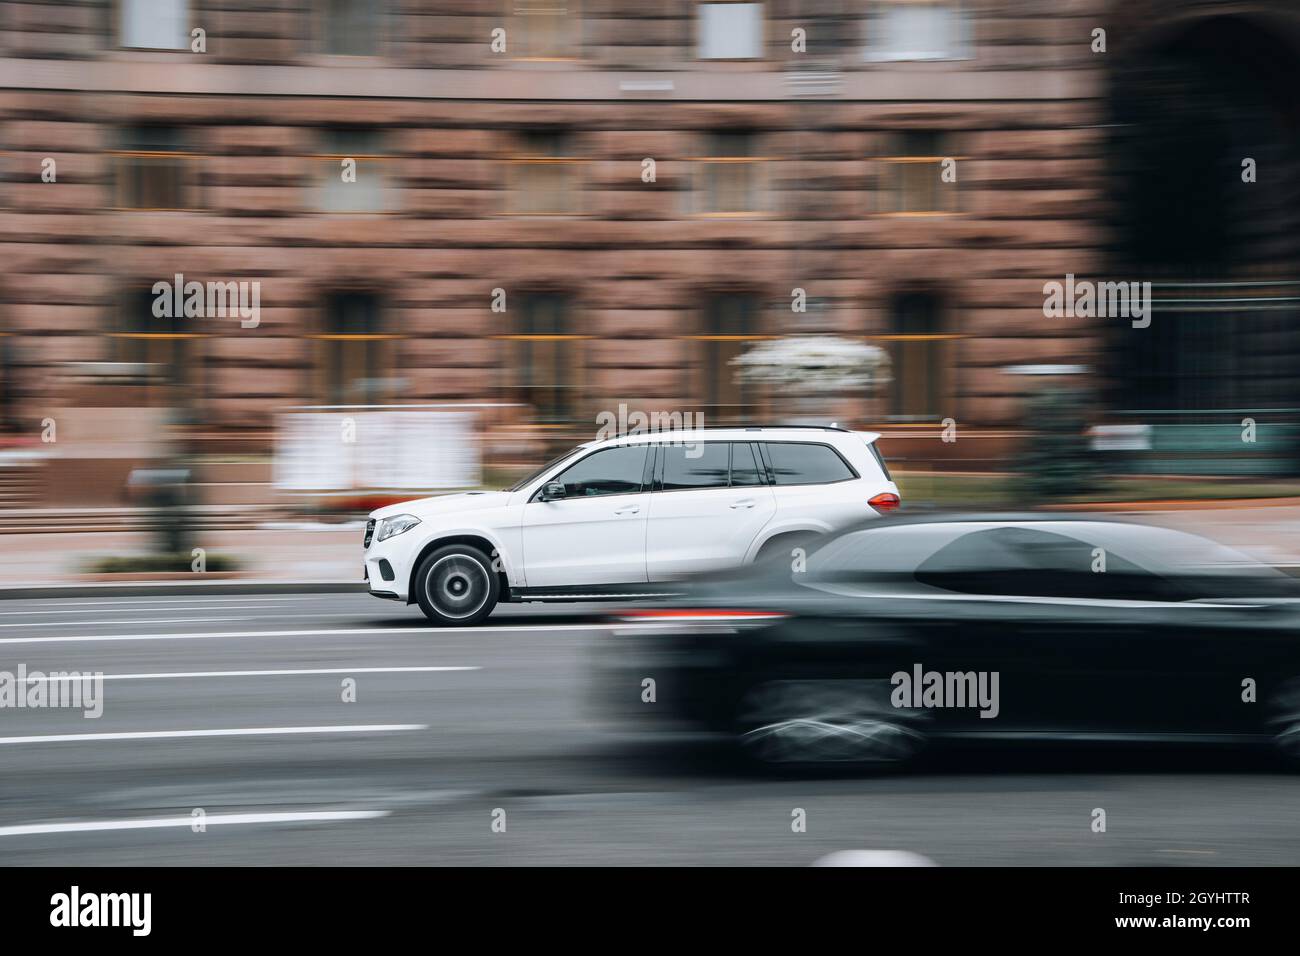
(263, 673)
(314, 632)
(223, 732)
(207, 820)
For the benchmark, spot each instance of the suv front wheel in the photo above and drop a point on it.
(456, 586)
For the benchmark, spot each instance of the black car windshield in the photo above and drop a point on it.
(524, 482)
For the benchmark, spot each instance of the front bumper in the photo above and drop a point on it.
(388, 565)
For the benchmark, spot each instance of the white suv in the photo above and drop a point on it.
(610, 517)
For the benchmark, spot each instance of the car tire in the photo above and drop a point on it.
(788, 721)
(455, 586)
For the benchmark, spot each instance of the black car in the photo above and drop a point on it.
(883, 638)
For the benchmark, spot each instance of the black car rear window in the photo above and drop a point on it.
(805, 463)
(1030, 563)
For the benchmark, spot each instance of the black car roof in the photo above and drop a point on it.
(969, 517)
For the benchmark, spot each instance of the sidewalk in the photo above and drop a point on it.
(289, 554)
(329, 556)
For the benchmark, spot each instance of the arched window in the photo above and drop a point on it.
(8, 383)
(546, 360)
(918, 339)
(164, 350)
(350, 357)
(730, 323)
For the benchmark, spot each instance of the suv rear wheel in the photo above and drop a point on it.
(456, 586)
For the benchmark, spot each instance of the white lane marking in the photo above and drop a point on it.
(210, 819)
(168, 620)
(139, 610)
(175, 620)
(328, 632)
(145, 603)
(224, 732)
(273, 673)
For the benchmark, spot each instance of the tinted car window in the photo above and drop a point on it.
(799, 463)
(744, 468)
(613, 471)
(532, 476)
(707, 469)
(1025, 562)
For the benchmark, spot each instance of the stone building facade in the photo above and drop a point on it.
(559, 207)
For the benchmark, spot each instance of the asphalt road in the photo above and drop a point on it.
(449, 726)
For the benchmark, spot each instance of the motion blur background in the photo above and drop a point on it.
(566, 213)
(796, 190)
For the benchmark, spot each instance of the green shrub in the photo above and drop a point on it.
(162, 563)
(1057, 459)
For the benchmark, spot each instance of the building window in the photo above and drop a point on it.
(350, 359)
(913, 178)
(164, 348)
(155, 24)
(730, 326)
(152, 169)
(356, 186)
(350, 27)
(543, 175)
(731, 176)
(546, 357)
(919, 388)
(8, 383)
(544, 29)
(730, 31)
(916, 30)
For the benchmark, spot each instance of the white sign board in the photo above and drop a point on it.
(1121, 438)
(348, 450)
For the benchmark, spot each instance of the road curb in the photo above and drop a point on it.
(160, 588)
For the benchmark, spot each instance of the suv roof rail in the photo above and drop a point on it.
(759, 428)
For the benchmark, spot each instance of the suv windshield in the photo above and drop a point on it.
(522, 483)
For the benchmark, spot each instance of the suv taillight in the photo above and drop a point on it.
(885, 501)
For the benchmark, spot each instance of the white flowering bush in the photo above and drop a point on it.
(814, 364)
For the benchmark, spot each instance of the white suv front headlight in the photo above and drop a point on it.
(395, 525)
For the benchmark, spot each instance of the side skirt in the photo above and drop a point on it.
(592, 592)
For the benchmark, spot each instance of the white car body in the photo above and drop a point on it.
(613, 542)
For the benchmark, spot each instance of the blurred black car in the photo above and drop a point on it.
(883, 638)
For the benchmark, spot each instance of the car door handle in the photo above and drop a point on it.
(627, 510)
(743, 503)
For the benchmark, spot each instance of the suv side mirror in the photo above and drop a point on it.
(552, 490)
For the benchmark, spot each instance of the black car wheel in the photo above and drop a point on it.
(816, 721)
(456, 586)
